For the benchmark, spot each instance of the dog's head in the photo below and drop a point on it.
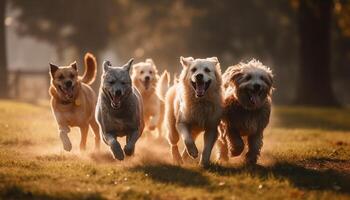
(116, 82)
(201, 74)
(146, 73)
(252, 83)
(64, 79)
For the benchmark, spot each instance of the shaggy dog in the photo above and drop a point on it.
(73, 101)
(194, 105)
(119, 110)
(247, 106)
(145, 77)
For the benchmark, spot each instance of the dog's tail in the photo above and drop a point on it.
(90, 69)
(163, 85)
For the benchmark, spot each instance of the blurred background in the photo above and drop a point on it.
(305, 42)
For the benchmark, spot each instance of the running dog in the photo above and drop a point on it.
(145, 78)
(73, 101)
(119, 109)
(193, 105)
(247, 107)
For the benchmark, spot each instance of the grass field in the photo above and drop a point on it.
(306, 155)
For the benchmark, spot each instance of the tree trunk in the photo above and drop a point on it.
(314, 23)
(3, 59)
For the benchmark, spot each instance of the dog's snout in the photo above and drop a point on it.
(199, 77)
(68, 83)
(118, 93)
(147, 78)
(256, 87)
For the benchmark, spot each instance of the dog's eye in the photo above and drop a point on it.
(248, 77)
(150, 72)
(123, 82)
(61, 77)
(207, 70)
(193, 69)
(72, 76)
(111, 82)
(141, 72)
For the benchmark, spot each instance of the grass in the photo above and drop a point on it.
(306, 155)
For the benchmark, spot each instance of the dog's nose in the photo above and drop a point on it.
(199, 77)
(68, 83)
(118, 93)
(256, 87)
(147, 78)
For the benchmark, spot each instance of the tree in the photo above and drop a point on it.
(3, 59)
(314, 85)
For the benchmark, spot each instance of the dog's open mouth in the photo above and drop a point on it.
(146, 84)
(116, 101)
(67, 92)
(200, 87)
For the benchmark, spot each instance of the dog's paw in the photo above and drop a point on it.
(204, 163)
(191, 149)
(117, 151)
(128, 150)
(251, 159)
(67, 145)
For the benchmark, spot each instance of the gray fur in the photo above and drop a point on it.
(121, 117)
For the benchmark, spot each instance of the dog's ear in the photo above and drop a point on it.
(106, 64)
(74, 65)
(149, 60)
(53, 69)
(213, 60)
(186, 62)
(128, 65)
(232, 74)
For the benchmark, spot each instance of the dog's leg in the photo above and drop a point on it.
(96, 130)
(210, 137)
(255, 142)
(222, 150)
(173, 138)
(114, 145)
(235, 142)
(187, 137)
(83, 132)
(185, 156)
(64, 130)
(131, 140)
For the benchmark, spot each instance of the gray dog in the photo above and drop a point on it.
(119, 109)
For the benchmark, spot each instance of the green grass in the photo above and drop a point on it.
(306, 155)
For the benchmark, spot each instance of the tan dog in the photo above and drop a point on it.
(145, 78)
(73, 101)
(194, 105)
(247, 107)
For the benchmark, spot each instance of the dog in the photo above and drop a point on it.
(73, 101)
(193, 105)
(119, 110)
(145, 78)
(247, 106)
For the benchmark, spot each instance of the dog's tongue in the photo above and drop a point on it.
(254, 100)
(68, 93)
(116, 99)
(200, 88)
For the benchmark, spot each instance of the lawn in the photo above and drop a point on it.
(306, 155)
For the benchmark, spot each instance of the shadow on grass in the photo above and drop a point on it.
(19, 192)
(312, 178)
(171, 174)
(311, 118)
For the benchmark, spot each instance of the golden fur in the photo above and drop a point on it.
(145, 78)
(75, 106)
(188, 115)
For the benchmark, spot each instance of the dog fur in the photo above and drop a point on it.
(247, 107)
(145, 78)
(194, 105)
(73, 101)
(119, 109)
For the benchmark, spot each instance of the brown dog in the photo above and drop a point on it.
(247, 107)
(73, 101)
